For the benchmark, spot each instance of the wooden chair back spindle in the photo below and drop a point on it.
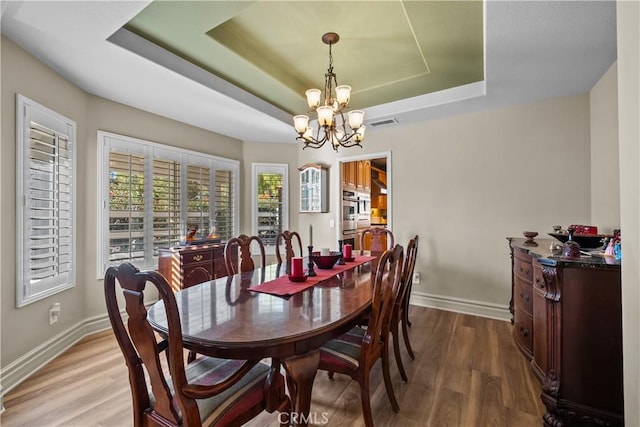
(243, 244)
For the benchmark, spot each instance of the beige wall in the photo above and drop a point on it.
(465, 183)
(26, 328)
(628, 20)
(605, 167)
(23, 329)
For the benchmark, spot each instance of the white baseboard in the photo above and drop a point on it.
(461, 305)
(19, 370)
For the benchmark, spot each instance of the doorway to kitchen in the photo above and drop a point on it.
(365, 195)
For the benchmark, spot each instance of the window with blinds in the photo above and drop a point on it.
(166, 203)
(155, 195)
(126, 207)
(224, 203)
(270, 200)
(198, 206)
(45, 201)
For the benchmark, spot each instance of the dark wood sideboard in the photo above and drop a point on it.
(567, 317)
(185, 266)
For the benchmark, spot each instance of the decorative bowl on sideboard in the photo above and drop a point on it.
(586, 241)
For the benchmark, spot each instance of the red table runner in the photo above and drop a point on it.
(283, 287)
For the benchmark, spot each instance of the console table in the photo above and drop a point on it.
(185, 266)
(567, 317)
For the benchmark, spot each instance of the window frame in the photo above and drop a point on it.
(27, 111)
(256, 169)
(108, 142)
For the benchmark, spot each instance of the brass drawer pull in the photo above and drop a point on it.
(524, 297)
(539, 282)
(198, 257)
(524, 331)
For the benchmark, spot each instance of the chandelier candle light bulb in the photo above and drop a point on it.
(333, 127)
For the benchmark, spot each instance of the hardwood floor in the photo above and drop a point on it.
(467, 372)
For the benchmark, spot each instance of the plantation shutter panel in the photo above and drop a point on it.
(126, 208)
(198, 206)
(166, 203)
(46, 211)
(225, 206)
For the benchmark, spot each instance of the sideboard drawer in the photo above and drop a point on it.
(523, 268)
(192, 257)
(523, 332)
(523, 296)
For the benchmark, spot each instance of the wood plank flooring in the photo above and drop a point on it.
(467, 372)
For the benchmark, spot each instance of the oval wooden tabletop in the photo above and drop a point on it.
(222, 318)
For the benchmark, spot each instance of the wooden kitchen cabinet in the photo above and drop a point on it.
(574, 336)
(363, 175)
(349, 175)
(356, 176)
(185, 266)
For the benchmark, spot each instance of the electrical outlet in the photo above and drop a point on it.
(332, 223)
(54, 313)
(416, 278)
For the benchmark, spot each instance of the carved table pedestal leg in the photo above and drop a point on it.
(301, 371)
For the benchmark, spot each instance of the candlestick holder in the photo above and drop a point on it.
(310, 272)
(341, 260)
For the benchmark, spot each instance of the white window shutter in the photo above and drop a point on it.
(45, 149)
(149, 191)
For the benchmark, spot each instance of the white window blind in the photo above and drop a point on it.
(225, 207)
(45, 158)
(151, 193)
(166, 203)
(126, 206)
(198, 206)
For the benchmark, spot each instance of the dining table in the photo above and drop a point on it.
(263, 314)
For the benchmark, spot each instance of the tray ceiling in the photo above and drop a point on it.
(388, 51)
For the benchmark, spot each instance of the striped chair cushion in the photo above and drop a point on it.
(245, 394)
(344, 350)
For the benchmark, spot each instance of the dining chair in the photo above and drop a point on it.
(401, 306)
(286, 238)
(356, 352)
(243, 244)
(209, 391)
(377, 237)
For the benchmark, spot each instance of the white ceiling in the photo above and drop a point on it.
(534, 50)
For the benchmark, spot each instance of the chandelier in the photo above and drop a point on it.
(332, 125)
